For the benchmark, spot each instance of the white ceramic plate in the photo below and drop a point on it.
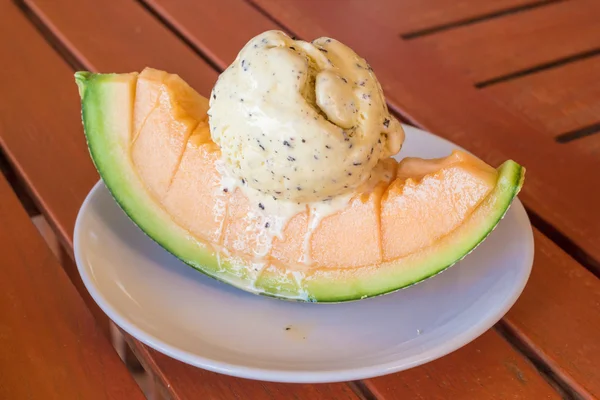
(193, 318)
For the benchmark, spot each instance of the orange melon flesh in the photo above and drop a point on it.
(161, 131)
(452, 191)
(243, 233)
(194, 200)
(352, 237)
(289, 250)
(410, 221)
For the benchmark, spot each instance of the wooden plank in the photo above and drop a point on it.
(31, 120)
(52, 136)
(491, 365)
(134, 41)
(226, 25)
(515, 42)
(558, 316)
(188, 382)
(586, 145)
(470, 373)
(209, 385)
(437, 97)
(37, 124)
(51, 347)
(561, 100)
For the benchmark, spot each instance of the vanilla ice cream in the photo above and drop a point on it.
(301, 121)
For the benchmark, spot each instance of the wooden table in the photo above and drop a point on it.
(503, 78)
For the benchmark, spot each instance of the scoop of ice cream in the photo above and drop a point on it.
(301, 121)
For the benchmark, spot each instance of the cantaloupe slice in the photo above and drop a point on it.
(149, 138)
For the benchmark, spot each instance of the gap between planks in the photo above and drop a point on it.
(476, 19)
(539, 68)
(50, 37)
(563, 242)
(362, 391)
(17, 185)
(150, 10)
(578, 133)
(559, 384)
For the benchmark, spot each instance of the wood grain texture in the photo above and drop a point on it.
(437, 97)
(226, 25)
(184, 382)
(410, 16)
(121, 36)
(50, 345)
(558, 315)
(70, 268)
(468, 374)
(179, 380)
(589, 145)
(507, 44)
(172, 373)
(17, 131)
(208, 385)
(480, 368)
(40, 122)
(560, 100)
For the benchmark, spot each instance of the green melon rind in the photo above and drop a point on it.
(107, 112)
(431, 261)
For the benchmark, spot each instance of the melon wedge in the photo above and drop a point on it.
(149, 139)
